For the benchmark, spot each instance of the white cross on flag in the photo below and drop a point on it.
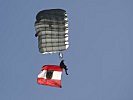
(50, 75)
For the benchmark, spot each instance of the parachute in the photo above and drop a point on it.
(51, 28)
(52, 31)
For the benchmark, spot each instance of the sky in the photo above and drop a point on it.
(100, 56)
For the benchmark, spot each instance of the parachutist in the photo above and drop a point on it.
(62, 65)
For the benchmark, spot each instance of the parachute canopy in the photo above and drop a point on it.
(52, 30)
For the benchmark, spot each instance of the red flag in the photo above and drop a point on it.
(50, 75)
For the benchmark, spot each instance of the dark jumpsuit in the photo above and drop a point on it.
(62, 65)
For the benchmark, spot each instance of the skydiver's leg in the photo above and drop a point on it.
(66, 71)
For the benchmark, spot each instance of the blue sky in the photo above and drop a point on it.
(99, 57)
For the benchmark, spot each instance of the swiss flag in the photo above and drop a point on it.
(50, 75)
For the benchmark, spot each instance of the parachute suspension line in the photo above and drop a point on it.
(60, 55)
